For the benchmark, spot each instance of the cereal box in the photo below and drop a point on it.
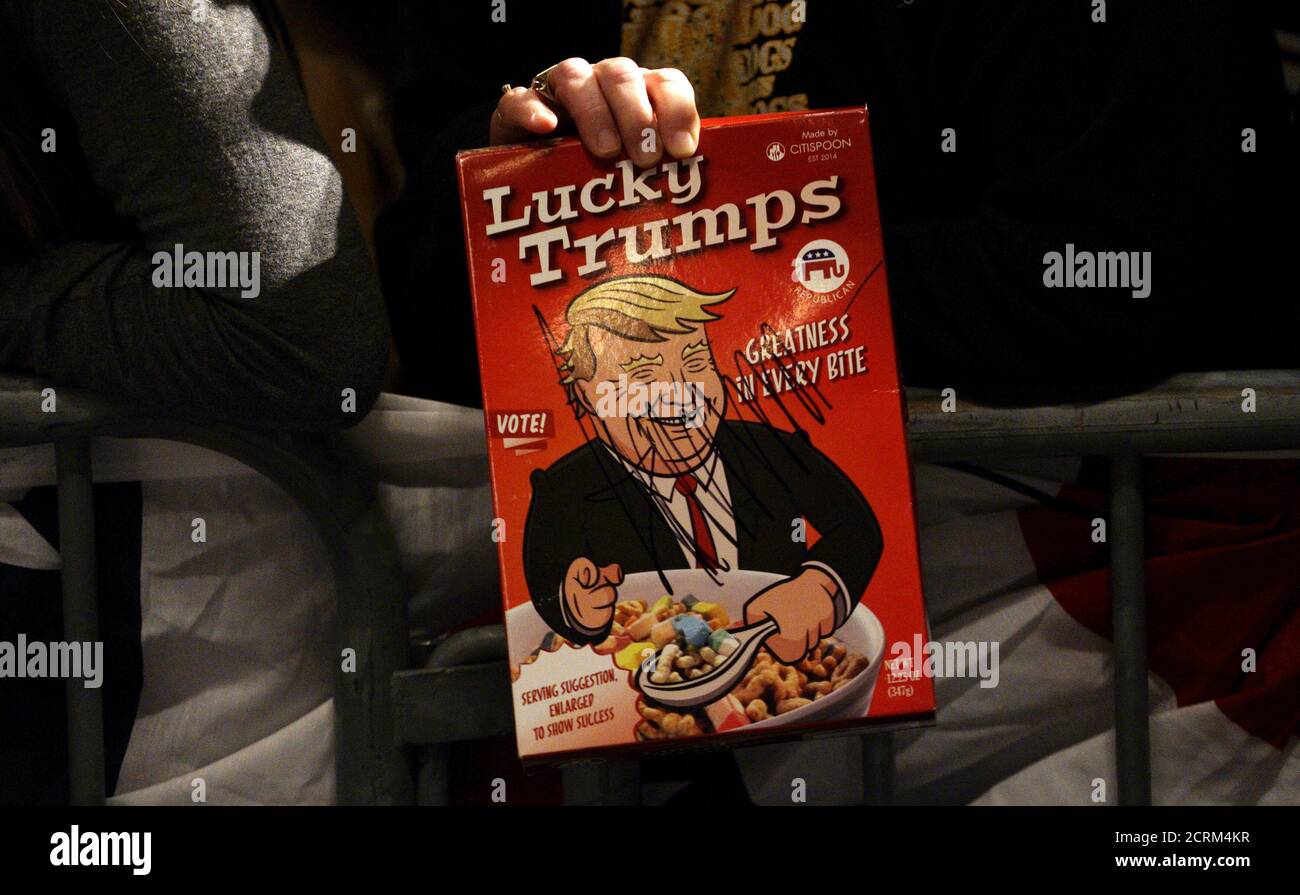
(701, 485)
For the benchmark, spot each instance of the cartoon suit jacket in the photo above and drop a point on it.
(587, 505)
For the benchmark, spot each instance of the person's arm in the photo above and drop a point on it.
(420, 249)
(197, 134)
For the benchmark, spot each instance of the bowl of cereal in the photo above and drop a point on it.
(679, 634)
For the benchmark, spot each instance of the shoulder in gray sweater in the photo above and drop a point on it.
(194, 134)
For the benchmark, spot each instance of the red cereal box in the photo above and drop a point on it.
(699, 469)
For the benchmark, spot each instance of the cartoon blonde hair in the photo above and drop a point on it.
(639, 308)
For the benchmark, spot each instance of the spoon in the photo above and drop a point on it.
(715, 684)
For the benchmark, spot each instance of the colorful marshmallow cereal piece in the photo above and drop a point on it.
(694, 630)
(629, 657)
(663, 633)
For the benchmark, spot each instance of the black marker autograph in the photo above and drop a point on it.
(808, 395)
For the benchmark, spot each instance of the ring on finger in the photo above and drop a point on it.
(542, 84)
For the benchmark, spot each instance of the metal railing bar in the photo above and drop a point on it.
(878, 768)
(85, 705)
(942, 446)
(1128, 639)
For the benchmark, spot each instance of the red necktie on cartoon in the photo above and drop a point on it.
(706, 555)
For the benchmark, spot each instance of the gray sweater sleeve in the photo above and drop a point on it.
(196, 133)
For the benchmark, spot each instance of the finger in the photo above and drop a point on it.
(604, 598)
(577, 89)
(622, 82)
(521, 113)
(583, 572)
(596, 609)
(673, 100)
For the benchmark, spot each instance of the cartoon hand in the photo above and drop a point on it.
(590, 592)
(803, 609)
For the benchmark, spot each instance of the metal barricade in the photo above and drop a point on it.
(380, 712)
(1190, 413)
(371, 607)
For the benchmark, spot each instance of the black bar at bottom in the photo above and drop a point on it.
(1129, 624)
(80, 617)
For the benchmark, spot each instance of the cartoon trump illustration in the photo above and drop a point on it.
(669, 482)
